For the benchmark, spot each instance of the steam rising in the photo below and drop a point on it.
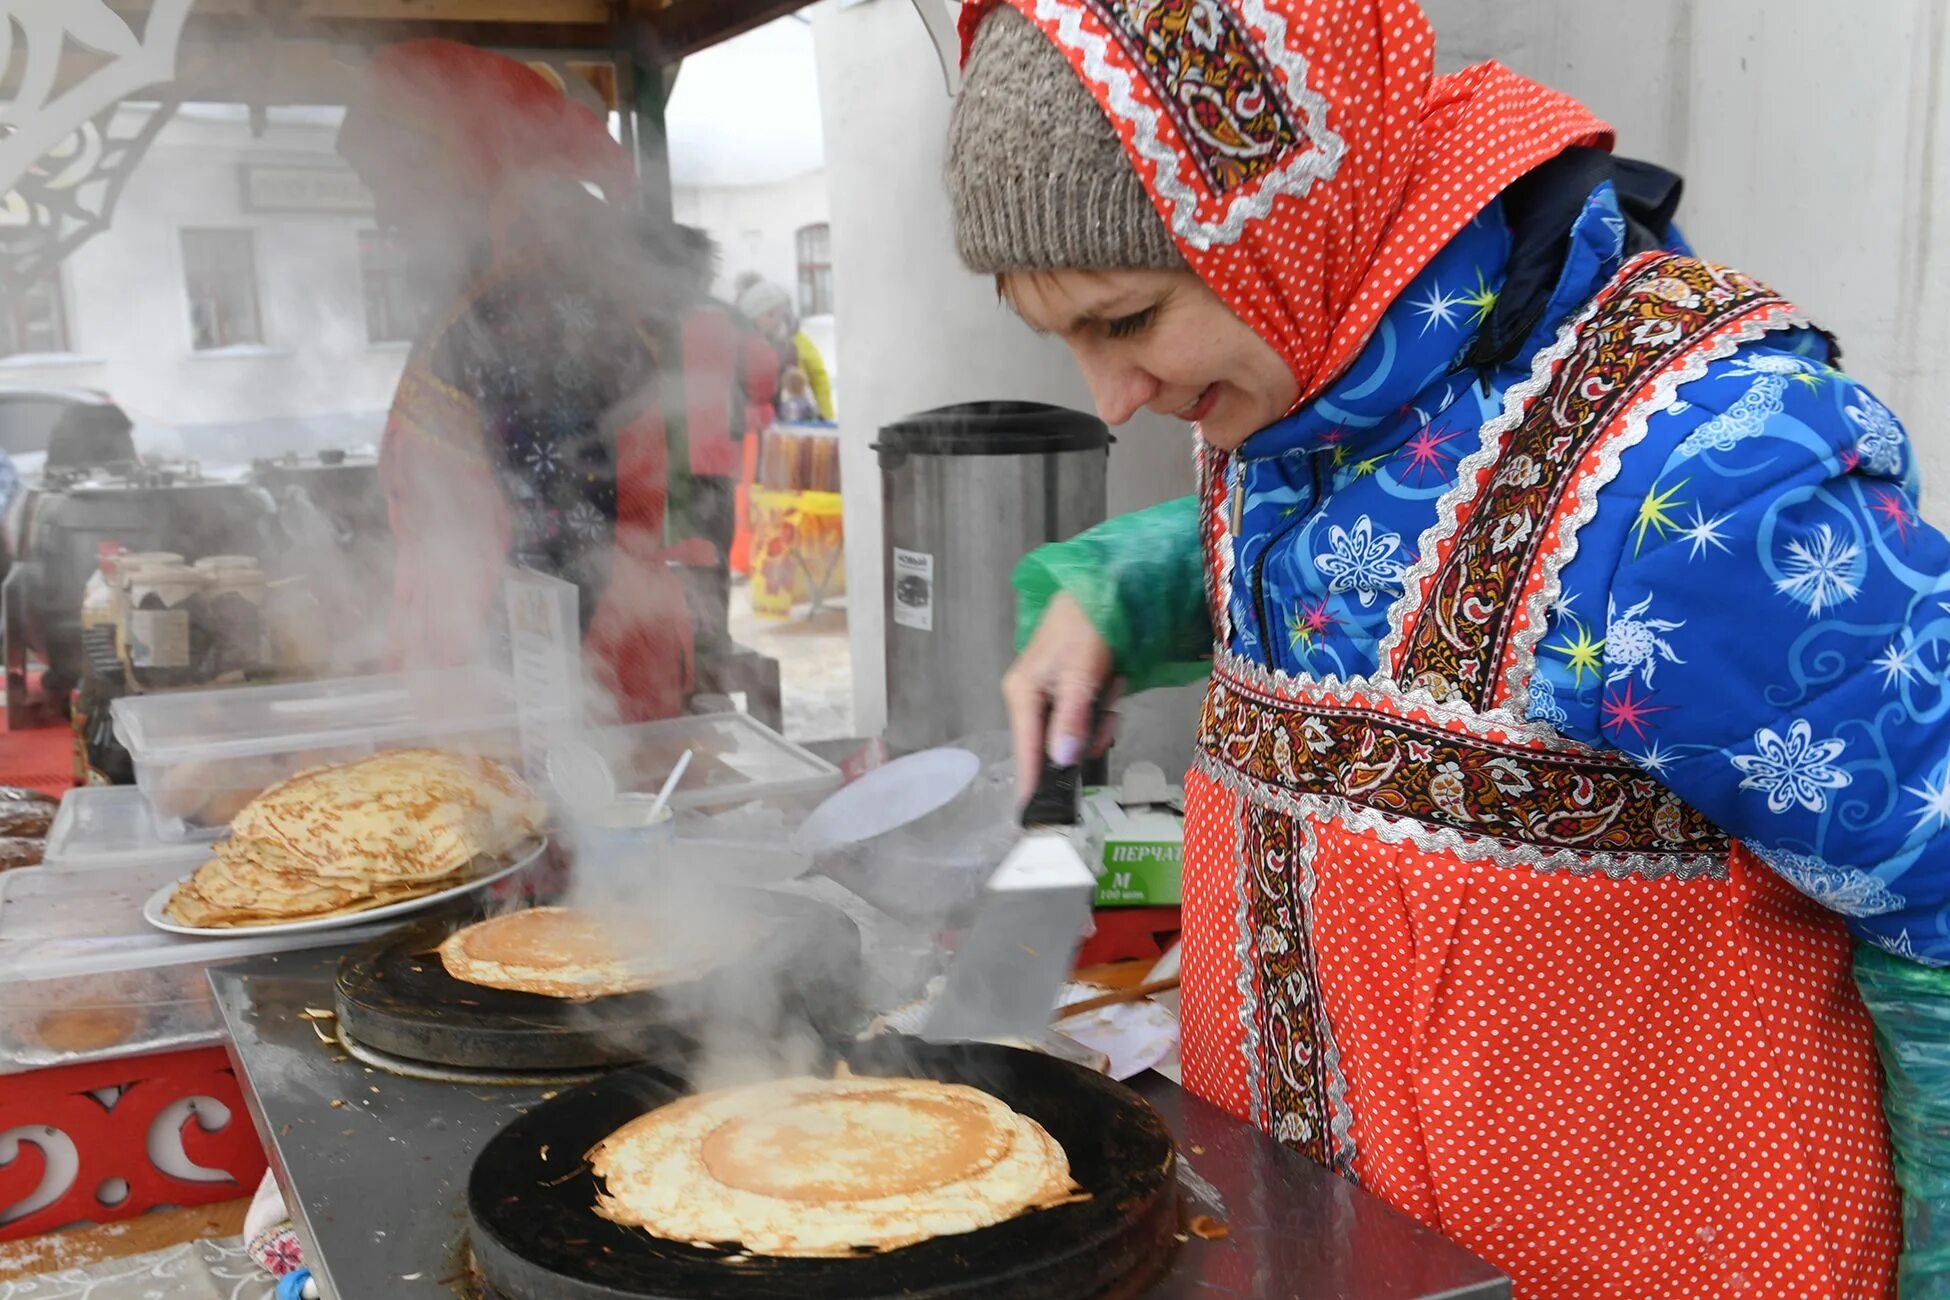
(578, 269)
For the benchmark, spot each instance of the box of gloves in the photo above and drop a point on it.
(1140, 825)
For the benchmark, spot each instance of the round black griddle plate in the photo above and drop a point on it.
(536, 1234)
(472, 1077)
(393, 995)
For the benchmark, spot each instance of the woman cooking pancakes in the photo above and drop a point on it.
(1573, 696)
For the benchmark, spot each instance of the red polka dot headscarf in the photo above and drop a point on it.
(1303, 154)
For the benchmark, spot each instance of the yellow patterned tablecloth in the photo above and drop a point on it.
(798, 550)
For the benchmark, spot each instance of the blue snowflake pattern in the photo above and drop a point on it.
(1821, 571)
(1361, 562)
(1881, 442)
(1543, 702)
(1633, 643)
(1839, 889)
(1793, 770)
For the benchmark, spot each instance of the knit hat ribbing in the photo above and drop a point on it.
(1036, 173)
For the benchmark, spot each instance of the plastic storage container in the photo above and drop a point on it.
(102, 826)
(738, 760)
(83, 977)
(200, 756)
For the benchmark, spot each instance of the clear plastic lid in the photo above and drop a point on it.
(57, 924)
(737, 759)
(246, 720)
(111, 826)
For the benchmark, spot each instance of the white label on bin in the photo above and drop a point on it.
(914, 589)
(159, 638)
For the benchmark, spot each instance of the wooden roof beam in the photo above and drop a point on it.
(665, 31)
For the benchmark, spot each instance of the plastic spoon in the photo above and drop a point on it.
(670, 785)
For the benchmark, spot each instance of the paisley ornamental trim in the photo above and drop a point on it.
(1440, 841)
(1515, 698)
(1412, 778)
(1471, 472)
(1211, 466)
(1304, 149)
(1659, 309)
(1305, 1086)
(1271, 682)
(1245, 969)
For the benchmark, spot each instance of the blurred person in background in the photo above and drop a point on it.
(804, 393)
(722, 401)
(769, 308)
(527, 428)
(796, 403)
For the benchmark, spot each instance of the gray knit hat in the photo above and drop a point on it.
(1036, 173)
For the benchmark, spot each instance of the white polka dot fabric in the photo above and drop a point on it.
(1607, 1088)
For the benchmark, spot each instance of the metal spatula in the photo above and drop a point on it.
(1004, 979)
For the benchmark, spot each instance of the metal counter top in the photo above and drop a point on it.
(374, 1168)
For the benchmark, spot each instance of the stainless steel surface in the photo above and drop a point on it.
(377, 1184)
(975, 516)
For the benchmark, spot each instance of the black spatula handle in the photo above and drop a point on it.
(1058, 800)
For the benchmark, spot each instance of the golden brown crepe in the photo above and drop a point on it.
(822, 1167)
(405, 814)
(558, 952)
(348, 838)
(566, 952)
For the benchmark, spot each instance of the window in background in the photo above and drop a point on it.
(392, 316)
(34, 321)
(220, 275)
(816, 270)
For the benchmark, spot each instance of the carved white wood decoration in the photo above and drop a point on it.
(65, 150)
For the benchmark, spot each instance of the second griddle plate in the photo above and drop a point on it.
(395, 996)
(536, 1235)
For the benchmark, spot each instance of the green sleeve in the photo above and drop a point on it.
(1910, 1004)
(1140, 579)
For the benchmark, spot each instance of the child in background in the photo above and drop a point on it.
(796, 404)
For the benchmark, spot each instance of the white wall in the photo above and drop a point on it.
(128, 317)
(915, 329)
(755, 225)
(1812, 142)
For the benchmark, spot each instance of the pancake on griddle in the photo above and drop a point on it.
(575, 953)
(828, 1167)
(339, 840)
(558, 952)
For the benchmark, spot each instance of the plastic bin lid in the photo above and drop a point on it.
(111, 826)
(897, 794)
(738, 759)
(242, 721)
(55, 924)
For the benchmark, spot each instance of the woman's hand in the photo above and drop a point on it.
(1051, 690)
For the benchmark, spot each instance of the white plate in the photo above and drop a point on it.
(152, 911)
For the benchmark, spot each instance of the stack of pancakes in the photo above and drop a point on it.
(823, 1167)
(359, 835)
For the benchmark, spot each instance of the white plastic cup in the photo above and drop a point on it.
(621, 835)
